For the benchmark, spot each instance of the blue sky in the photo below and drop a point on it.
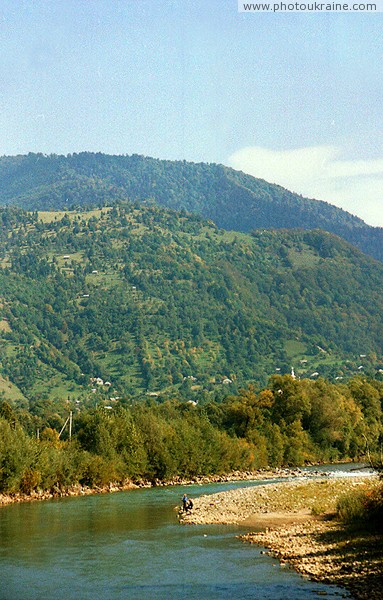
(293, 98)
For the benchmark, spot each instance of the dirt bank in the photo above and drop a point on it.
(295, 522)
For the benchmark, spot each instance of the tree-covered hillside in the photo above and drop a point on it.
(231, 199)
(138, 299)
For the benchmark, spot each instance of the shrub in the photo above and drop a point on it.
(30, 480)
(374, 506)
(351, 506)
(365, 506)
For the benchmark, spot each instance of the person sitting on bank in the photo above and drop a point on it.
(189, 504)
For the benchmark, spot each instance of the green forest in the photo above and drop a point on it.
(289, 422)
(180, 349)
(135, 300)
(232, 199)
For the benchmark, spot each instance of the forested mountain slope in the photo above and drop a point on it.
(151, 300)
(231, 199)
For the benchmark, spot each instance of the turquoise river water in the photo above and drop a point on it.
(129, 545)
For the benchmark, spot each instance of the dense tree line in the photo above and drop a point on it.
(289, 422)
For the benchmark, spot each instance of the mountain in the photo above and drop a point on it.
(136, 299)
(233, 200)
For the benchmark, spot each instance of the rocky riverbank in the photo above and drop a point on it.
(75, 490)
(79, 490)
(295, 521)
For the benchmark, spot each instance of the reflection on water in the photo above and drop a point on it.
(130, 545)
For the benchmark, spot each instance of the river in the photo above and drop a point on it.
(129, 545)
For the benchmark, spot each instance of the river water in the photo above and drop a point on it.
(129, 545)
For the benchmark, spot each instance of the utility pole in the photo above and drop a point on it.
(70, 420)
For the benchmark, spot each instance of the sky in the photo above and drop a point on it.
(293, 98)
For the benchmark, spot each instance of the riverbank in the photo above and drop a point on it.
(80, 490)
(295, 521)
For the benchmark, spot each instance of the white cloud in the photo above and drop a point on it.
(319, 172)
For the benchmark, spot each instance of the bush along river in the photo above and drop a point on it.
(130, 545)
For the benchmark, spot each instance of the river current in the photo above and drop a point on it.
(129, 545)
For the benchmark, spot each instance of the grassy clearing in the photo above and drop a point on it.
(62, 262)
(56, 215)
(303, 260)
(295, 349)
(318, 496)
(104, 279)
(5, 326)
(9, 391)
(55, 384)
